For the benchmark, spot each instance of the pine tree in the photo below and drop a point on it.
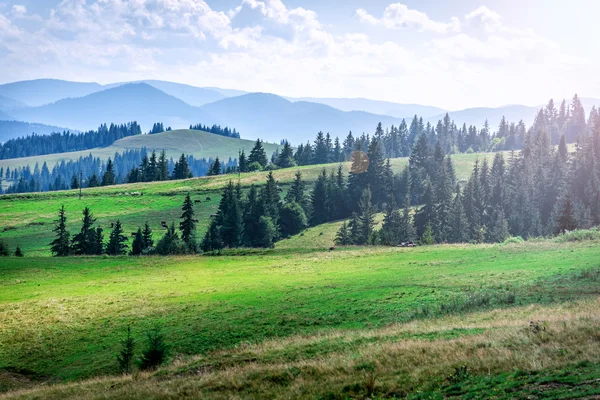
(108, 179)
(93, 181)
(320, 200)
(187, 226)
(428, 237)
(98, 242)
(270, 198)
(137, 246)
(565, 218)
(229, 218)
(406, 229)
(19, 252)
(343, 235)
(286, 157)
(170, 243)
(127, 353)
(426, 214)
(74, 182)
(162, 173)
(116, 243)
(390, 230)
(215, 168)
(156, 351)
(243, 162)
(296, 193)
(366, 217)
(84, 243)
(459, 232)
(147, 236)
(60, 245)
(258, 154)
(321, 151)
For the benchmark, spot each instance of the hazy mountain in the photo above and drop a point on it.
(131, 102)
(7, 105)
(5, 117)
(192, 95)
(43, 91)
(477, 116)
(273, 118)
(14, 129)
(227, 92)
(397, 110)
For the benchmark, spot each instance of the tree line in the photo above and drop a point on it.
(217, 130)
(126, 167)
(34, 145)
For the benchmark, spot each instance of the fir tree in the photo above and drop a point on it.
(137, 246)
(84, 243)
(156, 351)
(406, 229)
(147, 236)
(126, 355)
(187, 226)
(60, 245)
(320, 200)
(116, 243)
(343, 235)
(19, 252)
(258, 154)
(108, 179)
(366, 218)
(93, 181)
(74, 182)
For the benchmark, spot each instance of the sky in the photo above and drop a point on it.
(453, 55)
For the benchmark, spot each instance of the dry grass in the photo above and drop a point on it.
(378, 361)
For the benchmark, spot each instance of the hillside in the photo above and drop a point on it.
(44, 91)
(7, 104)
(190, 142)
(388, 108)
(273, 118)
(352, 323)
(26, 218)
(12, 129)
(133, 102)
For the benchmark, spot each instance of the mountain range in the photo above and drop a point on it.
(84, 106)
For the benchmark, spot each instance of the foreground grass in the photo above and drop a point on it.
(62, 318)
(26, 219)
(493, 354)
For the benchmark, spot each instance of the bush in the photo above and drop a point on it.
(3, 249)
(156, 351)
(579, 235)
(255, 166)
(266, 232)
(19, 252)
(514, 240)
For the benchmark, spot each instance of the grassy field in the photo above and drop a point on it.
(318, 324)
(26, 219)
(190, 142)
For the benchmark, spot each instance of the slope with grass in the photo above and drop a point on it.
(264, 324)
(190, 142)
(26, 219)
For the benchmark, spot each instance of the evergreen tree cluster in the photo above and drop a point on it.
(34, 145)
(127, 167)
(217, 130)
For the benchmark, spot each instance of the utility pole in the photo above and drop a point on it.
(239, 166)
(80, 182)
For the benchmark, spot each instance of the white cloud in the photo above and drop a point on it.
(399, 16)
(18, 10)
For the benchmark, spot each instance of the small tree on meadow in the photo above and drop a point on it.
(60, 245)
(156, 350)
(127, 353)
(137, 246)
(147, 235)
(116, 243)
(187, 226)
(3, 249)
(18, 252)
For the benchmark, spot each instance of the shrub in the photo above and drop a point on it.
(292, 219)
(19, 252)
(514, 240)
(255, 166)
(156, 351)
(3, 249)
(579, 235)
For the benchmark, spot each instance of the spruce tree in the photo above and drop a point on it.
(406, 229)
(156, 351)
(108, 179)
(3, 249)
(98, 242)
(84, 243)
(390, 230)
(296, 193)
(458, 220)
(426, 214)
(258, 154)
(366, 217)
(320, 201)
(137, 246)
(292, 219)
(243, 162)
(147, 236)
(127, 353)
(270, 198)
(187, 226)
(74, 182)
(60, 245)
(565, 217)
(116, 243)
(19, 252)
(343, 235)
(93, 181)
(229, 218)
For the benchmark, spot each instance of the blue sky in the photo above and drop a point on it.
(449, 54)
